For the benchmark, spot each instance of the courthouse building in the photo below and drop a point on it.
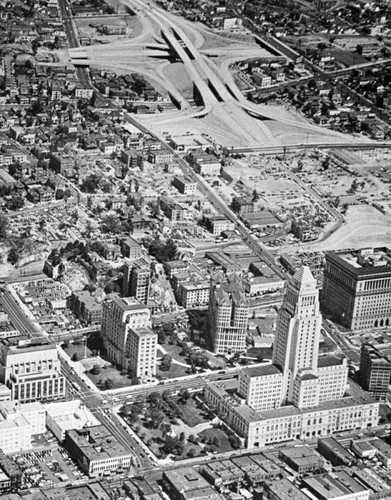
(357, 287)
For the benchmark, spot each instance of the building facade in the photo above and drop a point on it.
(137, 280)
(31, 369)
(261, 386)
(121, 318)
(298, 330)
(375, 370)
(96, 451)
(141, 348)
(357, 287)
(300, 395)
(228, 315)
(193, 293)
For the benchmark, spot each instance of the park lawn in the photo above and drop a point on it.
(191, 415)
(174, 371)
(174, 350)
(153, 439)
(222, 437)
(112, 373)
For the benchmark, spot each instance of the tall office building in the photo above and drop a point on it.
(125, 322)
(137, 280)
(228, 315)
(31, 369)
(296, 343)
(142, 353)
(357, 287)
(312, 391)
(375, 369)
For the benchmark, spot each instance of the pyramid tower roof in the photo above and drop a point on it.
(303, 276)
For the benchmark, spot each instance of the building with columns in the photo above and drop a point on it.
(31, 369)
(357, 287)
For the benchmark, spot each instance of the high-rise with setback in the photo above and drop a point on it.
(127, 336)
(228, 315)
(296, 343)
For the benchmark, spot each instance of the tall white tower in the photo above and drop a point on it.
(296, 343)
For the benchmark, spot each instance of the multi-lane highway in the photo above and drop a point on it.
(73, 41)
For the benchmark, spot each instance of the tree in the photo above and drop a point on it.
(111, 224)
(109, 384)
(184, 395)
(163, 252)
(13, 256)
(90, 183)
(216, 442)
(16, 202)
(95, 370)
(155, 399)
(75, 357)
(3, 226)
(191, 453)
(235, 441)
(165, 363)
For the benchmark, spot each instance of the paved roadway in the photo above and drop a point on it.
(294, 148)
(17, 317)
(71, 33)
(352, 354)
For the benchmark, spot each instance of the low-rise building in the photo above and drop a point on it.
(10, 474)
(284, 489)
(218, 223)
(160, 156)
(334, 452)
(187, 484)
(96, 451)
(185, 185)
(363, 448)
(67, 415)
(193, 293)
(375, 370)
(336, 485)
(130, 248)
(18, 423)
(86, 307)
(261, 220)
(383, 451)
(259, 285)
(301, 459)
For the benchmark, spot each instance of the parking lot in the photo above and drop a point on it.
(48, 467)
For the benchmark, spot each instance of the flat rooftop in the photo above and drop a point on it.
(325, 361)
(261, 370)
(98, 443)
(364, 262)
(285, 490)
(332, 485)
